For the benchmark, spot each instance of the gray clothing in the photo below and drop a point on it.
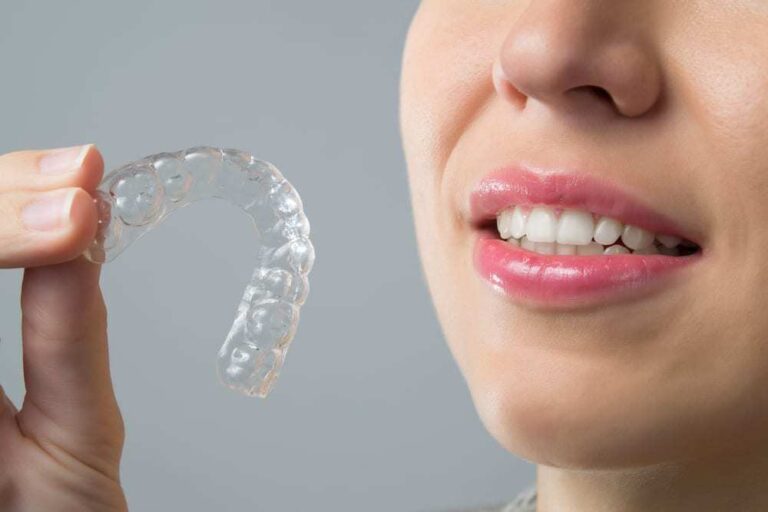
(525, 501)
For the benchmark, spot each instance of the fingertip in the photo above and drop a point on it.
(83, 221)
(46, 228)
(72, 234)
(37, 170)
(91, 167)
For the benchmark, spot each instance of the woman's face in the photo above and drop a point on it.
(652, 114)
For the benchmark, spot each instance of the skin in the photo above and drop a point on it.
(651, 404)
(60, 450)
(656, 403)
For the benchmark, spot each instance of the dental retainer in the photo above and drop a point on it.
(136, 197)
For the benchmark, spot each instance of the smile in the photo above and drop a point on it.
(561, 240)
(547, 230)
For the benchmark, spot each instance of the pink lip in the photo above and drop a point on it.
(551, 280)
(520, 186)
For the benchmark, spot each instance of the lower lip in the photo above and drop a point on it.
(567, 281)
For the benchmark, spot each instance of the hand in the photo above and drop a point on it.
(61, 450)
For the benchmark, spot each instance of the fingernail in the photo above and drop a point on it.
(59, 161)
(47, 212)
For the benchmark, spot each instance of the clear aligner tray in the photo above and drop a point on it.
(136, 197)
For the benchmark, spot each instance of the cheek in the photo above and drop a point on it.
(726, 91)
(446, 77)
(723, 85)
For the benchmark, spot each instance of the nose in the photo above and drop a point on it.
(571, 53)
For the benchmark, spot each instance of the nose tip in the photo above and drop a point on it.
(555, 58)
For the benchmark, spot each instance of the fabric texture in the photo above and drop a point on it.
(525, 501)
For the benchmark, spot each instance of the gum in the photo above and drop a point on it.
(136, 197)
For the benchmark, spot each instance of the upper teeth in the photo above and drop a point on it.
(541, 229)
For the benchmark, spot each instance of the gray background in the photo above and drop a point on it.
(370, 412)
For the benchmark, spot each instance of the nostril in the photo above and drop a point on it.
(595, 94)
(598, 92)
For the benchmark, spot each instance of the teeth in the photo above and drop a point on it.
(575, 228)
(636, 238)
(669, 251)
(544, 230)
(544, 247)
(504, 224)
(541, 225)
(517, 226)
(527, 244)
(669, 241)
(616, 249)
(608, 230)
(589, 250)
(565, 250)
(651, 249)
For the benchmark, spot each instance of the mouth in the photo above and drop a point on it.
(561, 239)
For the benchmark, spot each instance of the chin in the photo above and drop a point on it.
(551, 417)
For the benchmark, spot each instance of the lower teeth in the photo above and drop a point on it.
(594, 248)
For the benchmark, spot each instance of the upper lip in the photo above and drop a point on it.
(520, 185)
